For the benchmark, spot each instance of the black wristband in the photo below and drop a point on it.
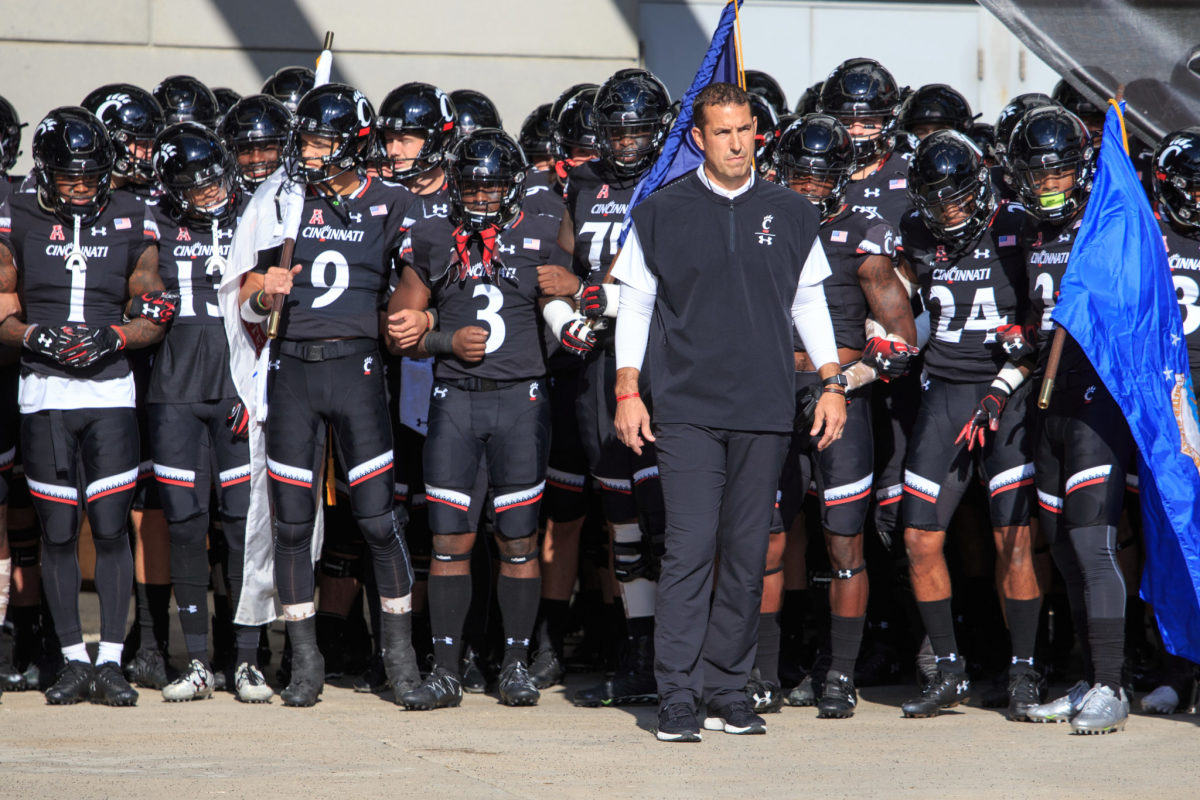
(439, 343)
(836, 380)
(260, 301)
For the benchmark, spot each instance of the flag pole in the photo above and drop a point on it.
(1060, 333)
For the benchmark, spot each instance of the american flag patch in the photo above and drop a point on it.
(379, 210)
(532, 244)
(898, 183)
(122, 223)
(838, 236)
(1008, 241)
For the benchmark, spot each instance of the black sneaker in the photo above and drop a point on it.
(440, 689)
(516, 686)
(947, 690)
(764, 696)
(1026, 689)
(148, 669)
(110, 688)
(838, 698)
(11, 678)
(74, 684)
(473, 679)
(677, 723)
(374, 678)
(546, 670)
(734, 717)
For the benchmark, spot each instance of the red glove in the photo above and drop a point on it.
(158, 307)
(578, 337)
(889, 358)
(594, 301)
(1017, 342)
(88, 345)
(238, 421)
(985, 418)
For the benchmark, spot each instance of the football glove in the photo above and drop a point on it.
(888, 357)
(577, 336)
(47, 341)
(1017, 343)
(159, 307)
(986, 418)
(238, 421)
(87, 344)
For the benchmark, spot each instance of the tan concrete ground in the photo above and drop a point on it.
(353, 746)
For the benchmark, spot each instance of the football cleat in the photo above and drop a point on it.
(196, 683)
(838, 697)
(764, 696)
(440, 689)
(736, 718)
(677, 723)
(374, 678)
(546, 670)
(251, 685)
(1102, 711)
(803, 694)
(148, 669)
(622, 689)
(473, 679)
(1060, 709)
(110, 688)
(1163, 700)
(947, 690)
(516, 686)
(1026, 689)
(308, 677)
(74, 684)
(11, 679)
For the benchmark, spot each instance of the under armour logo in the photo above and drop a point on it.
(766, 238)
(1063, 237)
(963, 686)
(533, 389)
(45, 339)
(99, 231)
(355, 216)
(983, 254)
(507, 249)
(870, 193)
(273, 364)
(367, 362)
(151, 312)
(442, 639)
(439, 391)
(438, 209)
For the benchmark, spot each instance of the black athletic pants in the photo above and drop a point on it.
(719, 491)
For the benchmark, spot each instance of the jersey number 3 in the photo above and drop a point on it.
(490, 314)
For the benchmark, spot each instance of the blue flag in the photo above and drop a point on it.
(1118, 302)
(680, 154)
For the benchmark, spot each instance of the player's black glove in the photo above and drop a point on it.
(159, 307)
(87, 344)
(806, 407)
(47, 341)
(594, 301)
(986, 418)
(889, 358)
(577, 336)
(238, 421)
(1017, 343)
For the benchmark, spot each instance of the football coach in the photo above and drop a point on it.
(717, 269)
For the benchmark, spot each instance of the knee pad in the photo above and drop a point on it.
(520, 550)
(517, 511)
(632, 558)
(189, 560)
(447, 558)
(1093, 498)
(178, 493)
(293, 537)
(847, 574)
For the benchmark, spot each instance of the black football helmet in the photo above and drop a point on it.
(574, 122)
(983, 134)
(858, 88)
(936, 104)
(422, 109)
(132, 116)
(1176, 178)
(10, 136)
(475, 110)
(1072, 100)
(537, 133)
(253, 124)
(1045, 141)
(225, 99)
(337, 112)
(289, 84)
(632, 115)
(809, 100)
(1010, 115)
(816, 149)
(951, 188)
(490, 157)
(766, 87)
(71, 143)
(185, 99)
(189, 159)
(766, 132)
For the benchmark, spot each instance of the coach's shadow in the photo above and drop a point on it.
(646, 717)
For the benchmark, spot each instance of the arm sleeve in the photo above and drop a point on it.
(633, 326)
(810, 312)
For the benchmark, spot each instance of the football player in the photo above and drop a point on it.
(185, 99)
(326, 372)
(255, 130)
(289, 84)
(935, 107)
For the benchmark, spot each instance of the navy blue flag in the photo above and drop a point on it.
(1118, 302)
(680, 155)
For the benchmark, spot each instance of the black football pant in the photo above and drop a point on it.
(719, 490)
(91, 454)
(339, 384)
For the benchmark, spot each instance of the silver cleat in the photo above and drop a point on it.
(1103, 711)
(1061, 709)
(1163, 700)
(250, 684)
(196, 683)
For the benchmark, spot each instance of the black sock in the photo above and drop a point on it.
(518, 598)
(1022, 628)
(192, 602)
(248, 637)
(1107, 637)
(449, 600)
(555, 619)
(939, 625)
(766, 658)
(639, 626)
(154, 613)
(845, 637)
(1080, 621)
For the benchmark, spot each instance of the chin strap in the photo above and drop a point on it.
(462, 246)
(76, 260)
(214, 267)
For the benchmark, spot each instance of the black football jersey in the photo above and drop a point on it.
(1047, 253)
(345, 250)
(883, 195)
(1183, 256)
(505, 303)
(597, 204)
(848, 238)
(60, 284)
(543, 200)
(969, 293)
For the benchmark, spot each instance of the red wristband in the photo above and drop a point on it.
(627, 396)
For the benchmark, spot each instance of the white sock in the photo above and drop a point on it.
(109, 651)
(298, 611)
(396, 605)
(76, 652)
